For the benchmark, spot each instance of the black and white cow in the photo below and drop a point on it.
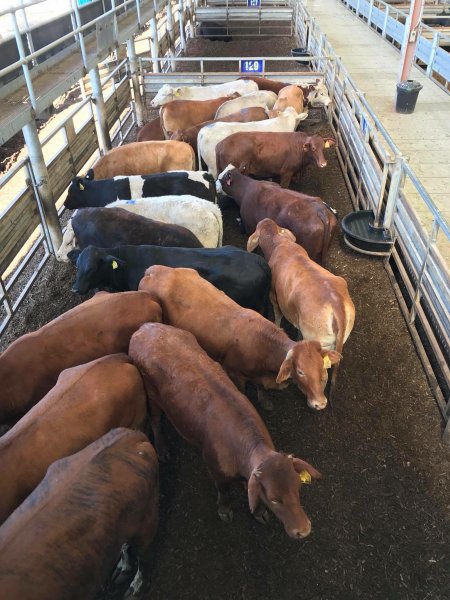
(106, 227)
(85, 191)
(243, 276)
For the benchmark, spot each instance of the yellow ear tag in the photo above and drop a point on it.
(304, 477)
(114, 265)
(326, 362)
(177, 93)
(327, 144)
(81, 186)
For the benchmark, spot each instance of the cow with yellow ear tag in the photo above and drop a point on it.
(314, 300)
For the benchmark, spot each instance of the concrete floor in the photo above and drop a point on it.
(424, 136)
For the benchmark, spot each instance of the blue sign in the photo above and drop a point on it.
(83, 2)
(251, 66)
(253, 3)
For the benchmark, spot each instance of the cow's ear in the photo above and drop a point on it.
(73, 255)
(80, 184)
(253, 491)
(329, 142)
(90, 174)
(114, 263)
(330, 357)
(301, 465)
(286, 368)
(253, 242)
(306, 146)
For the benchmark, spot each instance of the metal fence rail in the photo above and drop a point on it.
(73, 145)
(389, 22)
(242, 21)
(379, 178)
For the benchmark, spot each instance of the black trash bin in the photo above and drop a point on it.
(297, 52)
(407, 93)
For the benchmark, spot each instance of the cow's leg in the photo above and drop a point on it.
(285, 178)
(276, 308)
(224, 509)
(263, 399)
(160, 442)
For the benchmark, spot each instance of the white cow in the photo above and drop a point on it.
(261, 98)
(200, 216)
(210, 135)
(167, 93)
(318, 96)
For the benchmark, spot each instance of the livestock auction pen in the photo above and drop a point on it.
(381, 514)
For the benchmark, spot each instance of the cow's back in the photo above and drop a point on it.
(30, 366)
(64, 540)
(151, 132)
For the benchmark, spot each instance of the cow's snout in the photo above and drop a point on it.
(317, 403)
(299, 534)
(323, 164)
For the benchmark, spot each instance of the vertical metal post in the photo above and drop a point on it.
(134, 73)
(82, 88)
(434, 48)
(170, 34)
(40, 173)
(22, 54)
(28, 31)
(191, 18)
(394, 190)
(76, 13)
(431, 240)
(100, 111)
(154, 45)
(181, 25)
(386, 19)
(138, 12)
(369, 17)
(412, 37)
(376, 221)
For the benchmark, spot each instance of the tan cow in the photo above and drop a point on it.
(310, 297)
(182, 114)
(103, 325)
(86, 402)
(291, 95)
(144, 158)
(249, 346)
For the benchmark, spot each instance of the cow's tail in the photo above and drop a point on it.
(327, 235)
(161, 121)
(218, 214)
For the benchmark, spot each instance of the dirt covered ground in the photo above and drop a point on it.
(381, 513)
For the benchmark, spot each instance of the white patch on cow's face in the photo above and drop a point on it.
(229, 167)
(69, 243)
(195, 176)
(319, 96)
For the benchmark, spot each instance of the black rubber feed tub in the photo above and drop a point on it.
(362, 236)
(300, 52)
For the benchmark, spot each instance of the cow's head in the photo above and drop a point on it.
(178, 135)
(307, 363)
(275, 482)
(225, 179)
(315, 145)
(97, 268)
(318, 96)
(76, 193)
(165, 94)
(267, 229)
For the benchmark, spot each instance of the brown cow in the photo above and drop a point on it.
(144, 158)
(245, 115)
(272, 154)
(315, 94)
(209, 412)
(291, 95)
(182, 114)
(65, 539)
(311, 220)
(151, 132)
(86, 402)
(311, 298)
(103, 325)
(249, 346)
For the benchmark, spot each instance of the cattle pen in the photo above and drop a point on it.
(381, 513)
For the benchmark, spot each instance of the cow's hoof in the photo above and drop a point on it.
(225, 513)
(262, 515)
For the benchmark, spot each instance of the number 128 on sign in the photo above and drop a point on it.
(251, 66)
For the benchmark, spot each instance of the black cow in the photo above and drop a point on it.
(85, 191)
(214, 32)
(243, 276)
